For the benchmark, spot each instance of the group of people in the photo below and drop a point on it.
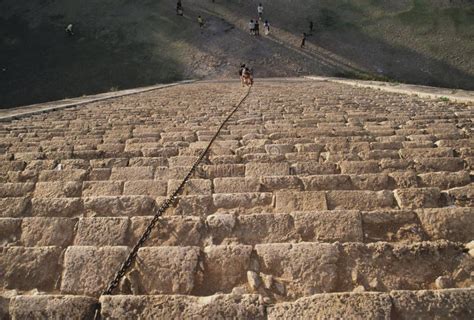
(180, 12)
(245, 73)
(254, 25)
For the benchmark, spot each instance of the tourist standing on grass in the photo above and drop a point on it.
(303, 41)
(257, 28)
(252, 27)
(179, 8)
(266, 27)
(260, 11)
(201, 22)
(69, 30)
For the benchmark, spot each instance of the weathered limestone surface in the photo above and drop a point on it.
(165, 270)
(183, 307)
(335, 306)
(24, 268)
(444, 304)
(317, 200)
(52, 307)
(88, 269)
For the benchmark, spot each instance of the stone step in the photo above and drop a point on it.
(454, 224)
(424, 304)
(282, 270)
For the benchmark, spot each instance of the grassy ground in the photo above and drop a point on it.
(123, 43)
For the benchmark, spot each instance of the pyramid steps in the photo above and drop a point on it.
(318, 199)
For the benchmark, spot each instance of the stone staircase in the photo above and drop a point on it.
(318, 200)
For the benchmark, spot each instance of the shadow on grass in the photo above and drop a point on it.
(44, 64)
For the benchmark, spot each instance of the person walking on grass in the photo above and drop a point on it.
(303, 41)
(260, 11)
(266, 27)
(69, 30)
(201, 22)
(179, 8)
(252, 27)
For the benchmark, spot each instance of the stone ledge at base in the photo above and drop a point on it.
(424, 304)
(16, 113)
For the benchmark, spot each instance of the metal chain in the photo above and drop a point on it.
(158, 212)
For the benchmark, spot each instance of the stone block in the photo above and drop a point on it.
(99, 231)
(414, 198)
(41, 231)
(102, 188)
(165, 173)
(369, 305)
(359, 167)
(152, 188)
(10, 230)
(438, 164)
(373, 182)
(243, 202)
(313, 168)
(52, 307)
(300, 269)
(289, 201)
(454, 224)
(279, 148)
(194, 206)
(275, 183)
(118, 206)
(58, 189)
(255, 169)
(192, 187)
(132, 173)
(165, 270)
(392, 226)
(433, 304)
(148, 162)
(4, 306)
(328, 226)
(403, 180)
(170, 231)
(15, 207)
(109, 162)
(183, 161)
(183, 307)
(87, 270)
(359, 200)
(391, 165)
(379, 154)
(308, 147)
(237, 185)
(221, 171)
(327, 182)
(251, 229)
(426, 153)
(63, 175)
(462, 196)
(396, 266)
(444, 180)
(225, 267)
(99, 174)
(16, 189)
(56, 207)
(26, 268)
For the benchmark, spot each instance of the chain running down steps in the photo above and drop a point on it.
(159, 211)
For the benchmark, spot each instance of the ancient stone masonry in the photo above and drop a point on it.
(318, 200)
